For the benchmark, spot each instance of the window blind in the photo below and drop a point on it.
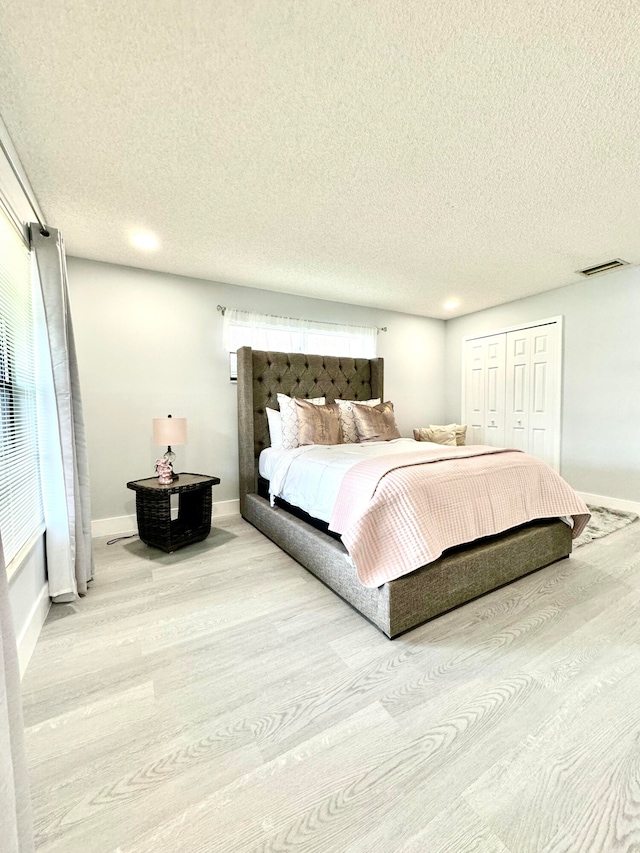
(21, 511)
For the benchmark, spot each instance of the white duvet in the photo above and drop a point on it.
(310, 477)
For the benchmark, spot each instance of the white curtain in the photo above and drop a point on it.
(16, 829)
(288, 334)
(63, 449)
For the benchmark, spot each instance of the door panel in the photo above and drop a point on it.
(477, 391)
(518, 382)
(540, 396)
(540, 342)
(518, 344)
(474, 391)
(495, 378)
(475, 434)
(538, 443)
(543, 392)
(518, 438)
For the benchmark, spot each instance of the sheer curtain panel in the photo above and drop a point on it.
(65, 467)
(288, 334)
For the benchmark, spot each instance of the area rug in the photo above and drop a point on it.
(603, 521)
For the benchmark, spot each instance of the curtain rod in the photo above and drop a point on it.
(223, 308)
(43, 228)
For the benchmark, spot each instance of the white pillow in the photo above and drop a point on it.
(347, 419)
(275, 427)
(289, 419)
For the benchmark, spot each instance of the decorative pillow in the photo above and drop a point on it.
(438, 435)
(461, 432)
(375, 423)
(347, 420)
(289, 419)
(275, 427)
(318, 424)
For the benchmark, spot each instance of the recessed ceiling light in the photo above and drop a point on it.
(451, 304)
(144, 240)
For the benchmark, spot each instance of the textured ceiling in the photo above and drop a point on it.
(392, 153)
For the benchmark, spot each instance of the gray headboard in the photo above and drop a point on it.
(263, 375)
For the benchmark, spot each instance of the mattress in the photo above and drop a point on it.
(400, 505)
(310, 477)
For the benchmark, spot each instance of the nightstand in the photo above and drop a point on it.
(153, 510)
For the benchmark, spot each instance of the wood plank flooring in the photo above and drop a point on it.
(222, 699)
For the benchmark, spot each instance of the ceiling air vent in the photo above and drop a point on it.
(608, 265)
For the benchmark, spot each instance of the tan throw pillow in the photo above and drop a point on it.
(289, 419)
(318, 424)
(375, 423)
(348, 421)
(461, 432)
(438, 435)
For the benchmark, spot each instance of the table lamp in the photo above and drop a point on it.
(169, 431)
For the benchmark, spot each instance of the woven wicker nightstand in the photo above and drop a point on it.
(153, 510)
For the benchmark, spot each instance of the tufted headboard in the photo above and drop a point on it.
(263, 375)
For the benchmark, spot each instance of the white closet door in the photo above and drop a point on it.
(475, 390)
(531, 391)
(512, 389)
(494, 396)
(543, 346)
(518, 393)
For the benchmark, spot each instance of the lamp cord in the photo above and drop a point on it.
(120, 538)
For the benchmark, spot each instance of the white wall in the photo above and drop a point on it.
(150, 344)
(600, 450)
(29, 599)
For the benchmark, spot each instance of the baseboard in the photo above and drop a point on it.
(223, 508)
(28, 636)
(122, 525)
(611, 503)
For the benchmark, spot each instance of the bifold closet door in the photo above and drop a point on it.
(495, 389)
(512, 392)
(531, 390)
(474, 377)
(485, 390)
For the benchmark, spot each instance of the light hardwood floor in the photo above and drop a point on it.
(222, 699)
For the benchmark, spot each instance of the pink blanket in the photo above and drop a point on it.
(395, 514)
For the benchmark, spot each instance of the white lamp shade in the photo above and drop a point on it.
(169, 431)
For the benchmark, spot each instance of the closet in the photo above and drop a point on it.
(511, 393)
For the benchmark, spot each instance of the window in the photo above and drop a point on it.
(286, 334)
(21, 512)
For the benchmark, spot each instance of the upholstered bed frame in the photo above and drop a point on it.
(460, 575)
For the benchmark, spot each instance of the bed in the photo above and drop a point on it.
(458, 576)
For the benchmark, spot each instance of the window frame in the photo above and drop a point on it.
(305, 334)
(13, 392)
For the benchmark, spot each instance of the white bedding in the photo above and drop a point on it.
(310, 477)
